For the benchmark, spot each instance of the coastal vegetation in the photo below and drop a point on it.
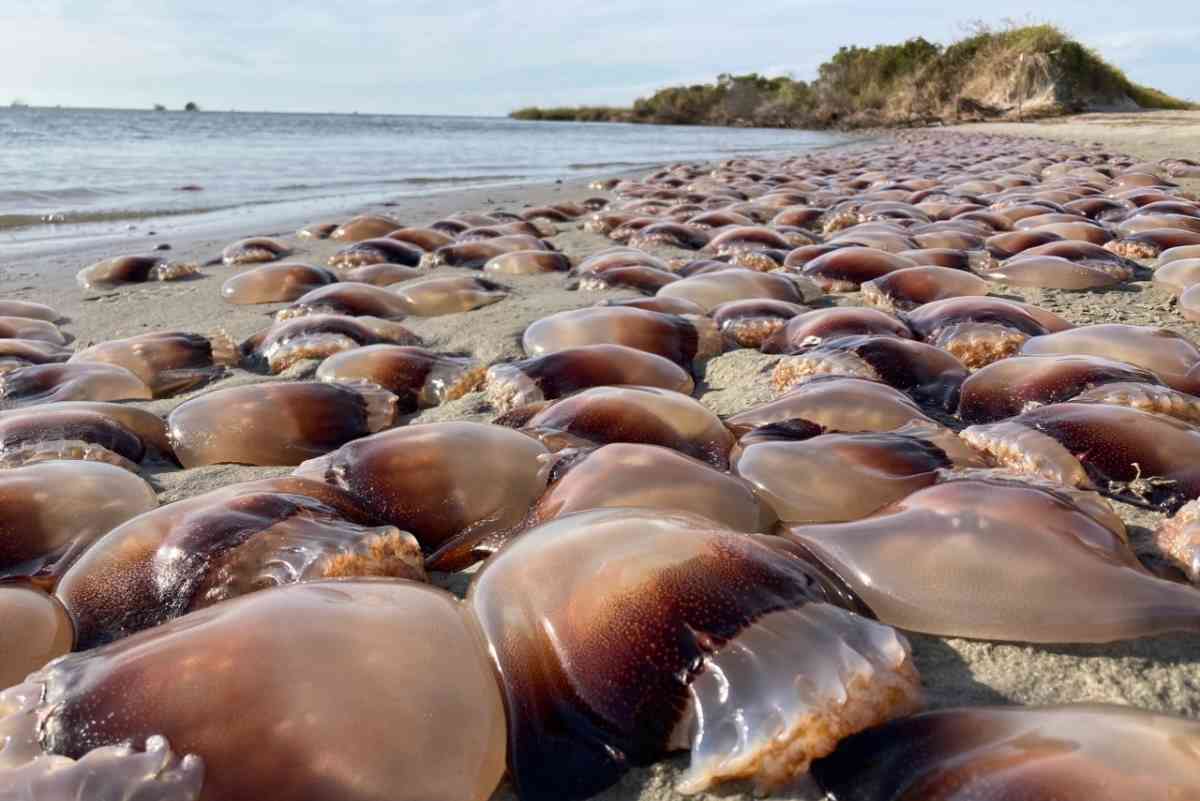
(1015, 72)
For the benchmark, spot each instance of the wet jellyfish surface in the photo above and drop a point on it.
(1171, 356)
(845, 269)
(365, 226)
(475, 255)
(811, 329)
(317, 336)
(34, 628)
(255, 250)
(553, 375)
(1085, 752)
(528, 262)
(383, 250)
(15, 353)
(254, 698)
(623, 475)
(229, 542)
(351, 299)
(418, 377)
(622, 634)
(710, 290)
(80, 381)
(38, 435)
(283, 423)
(381, 274)
(928, 563)
(913, 286)
(30, 328)
(1011, 386)
(838, 477)
(168, 362)
(927, 373)
(132, 270)
(835, 403)
(275, 283)
(439, 480)
(1054, 272)
(433, 297)
(684, 339)
(645, 415)
(29, 310)
(977, 330)
(1134, 455)
(53, 511)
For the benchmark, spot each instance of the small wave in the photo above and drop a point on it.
(606, 165)
(415, 180)
(49, 197)
(9, 221)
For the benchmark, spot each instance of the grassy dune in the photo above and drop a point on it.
(1025, 71)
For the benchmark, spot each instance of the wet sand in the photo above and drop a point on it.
(1158, 674)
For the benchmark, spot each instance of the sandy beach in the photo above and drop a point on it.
(1160, 674)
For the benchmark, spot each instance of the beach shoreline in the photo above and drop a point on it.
(1154, 673)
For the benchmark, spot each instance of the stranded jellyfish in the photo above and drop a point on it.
(622, 634)
(259, 695)
(418, 377)
(168, 362)
(280, 423)
(275, 283)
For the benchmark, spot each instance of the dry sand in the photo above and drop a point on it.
(1159, 674)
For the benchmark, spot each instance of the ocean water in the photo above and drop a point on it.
(67, 171)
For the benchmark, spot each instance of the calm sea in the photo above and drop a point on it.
(65, 171)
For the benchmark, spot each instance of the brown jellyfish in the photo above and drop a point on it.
(621, 634)
(37, 435)
(1006, 245)
(977, 330)
(1080, 752)
(553, 375)
(426, 239)
(528, 262)
(50, 512)
(275, 283)
(636, 277)
(625, 475)
(749, 242)
(376, 251)
(1177, 540)
(886, 240)
(475, 255)
(439, 480)
(29, 310)
(1011, 386)
(687, 340)
(433, 297)
(417, 377)
(614, 258)
(1053, 272)
(319, 230)
(646, 415)
(380, 274)
(1145, 220)
(910, 287)
(1175, 254)
(677, 306)
(811, 329)
(1134, 455)
(147, 426)
(317, 336)
(366, 226)
(168, 362)
(835, 403)
(844, 269)
(712, 289)
(671, 234)
(749, 323)
(16, 353)
(833, 478)
(926, 372)
(133, 270)
(26, 328)
(929, 562)
(259, 693)
(1150, 244)
(35, 630)
(951, 258)
(213, 547)
(350, 299)
(282, 423)
(254, 251)
(1149, 397)
(1178, 276)
(718, 218)
(79, 381)
(1170, 356)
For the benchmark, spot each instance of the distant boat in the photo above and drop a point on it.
(159, 107)
(191, 107)
(18, 103)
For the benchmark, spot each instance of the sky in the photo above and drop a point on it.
(490, 56)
